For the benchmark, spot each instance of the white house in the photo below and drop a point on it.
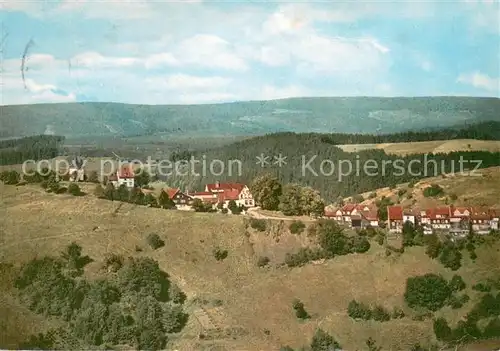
(124, 176)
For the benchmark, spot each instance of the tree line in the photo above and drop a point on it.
(40, 147)
(481, 131)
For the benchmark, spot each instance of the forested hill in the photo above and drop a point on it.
(309, 149)
(319, 114)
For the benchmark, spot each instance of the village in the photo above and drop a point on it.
(452, 220)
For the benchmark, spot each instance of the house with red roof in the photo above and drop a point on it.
(395, 219)
(124, 176)
(440, 218)
(480, 219)
(179, 198)
(240, 193)
(460, 221)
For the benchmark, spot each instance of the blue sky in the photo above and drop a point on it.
(180, 52)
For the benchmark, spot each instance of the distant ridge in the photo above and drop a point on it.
(366, 115)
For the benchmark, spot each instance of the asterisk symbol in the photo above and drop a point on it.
(262, 160)
(280, 160)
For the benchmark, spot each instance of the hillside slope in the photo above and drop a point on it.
(478, 189)
(321, 114)
(255, 312)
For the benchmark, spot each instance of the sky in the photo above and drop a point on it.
(191, 52)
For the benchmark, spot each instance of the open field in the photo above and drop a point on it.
(427, 147)
(479, 188)
(35, 223)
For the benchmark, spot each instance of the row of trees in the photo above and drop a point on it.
(134, 195)
(137, 305)
(292, 199)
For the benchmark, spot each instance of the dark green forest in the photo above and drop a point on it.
(16, 151)
(304, 155)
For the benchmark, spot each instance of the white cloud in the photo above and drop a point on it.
(209, 51)
(481, 81)
(183, 82)
(94, 60)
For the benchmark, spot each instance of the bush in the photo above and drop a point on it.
(113, 262)
(380, 314)
(429, 291)
(300, 311)
(322, 341)
(154, 241)
(263, 261)
(442, 330)
(360, 244)
(74, 189)
(451, 257)
(433, 191)
(258, 224)
(297, 227)
(457, 283)
(372, 195)
(397, 313)
(224, 210)
(10, 177)
(482, 287)
(303, 256)
(358, 310)
(220, 254)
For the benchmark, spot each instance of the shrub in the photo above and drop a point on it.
(358, 310)
(457, 283)
(451, 257)
(10, 177)
(397, 313)
(258, 224)
(300, 311)
(113, 262)
(372, 195)
(297, 227)
(360, 244)
(74, 189)
(429, 291)
(263, 261)
(224, 210)
(322, 341)
(482, 287)
(442, 329)
(154, 241)
(433, 191)
(303, 256)
(380, 314)
(220, 254)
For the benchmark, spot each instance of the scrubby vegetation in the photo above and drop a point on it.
(136, 306)
(297, 227)
(154, 241)
(332, 242)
